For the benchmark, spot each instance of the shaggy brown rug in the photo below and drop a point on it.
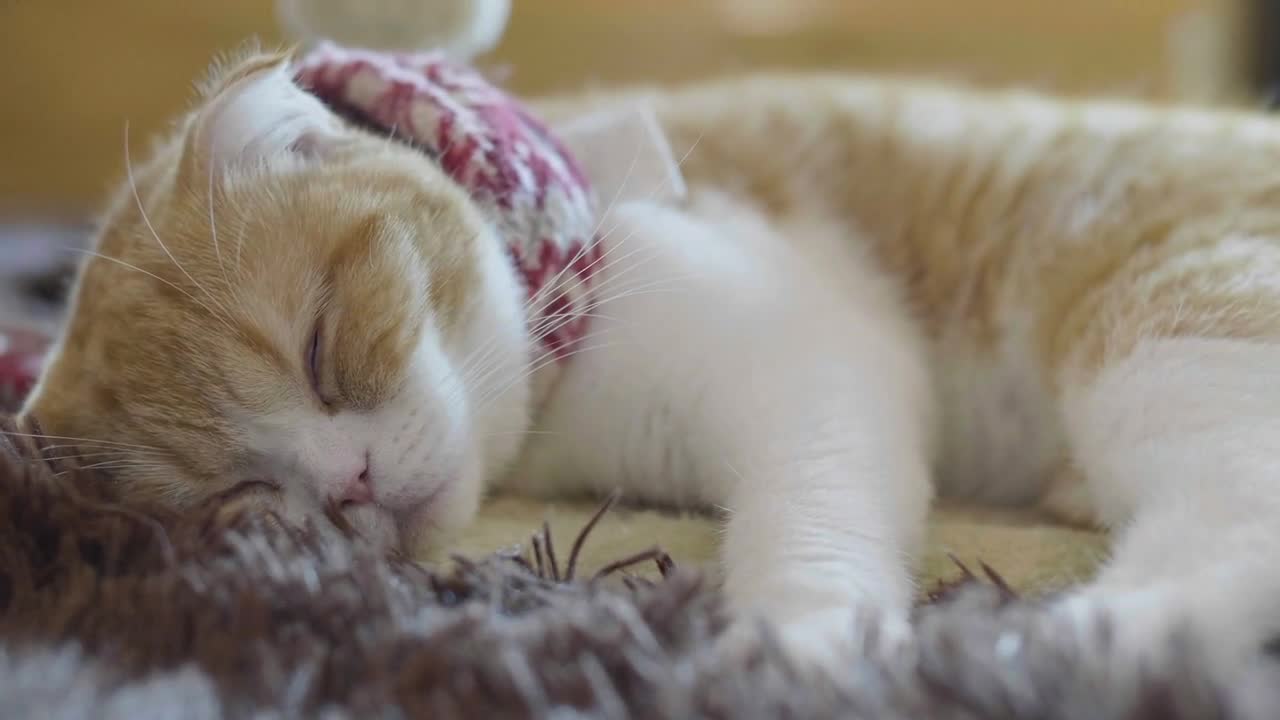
(114, 610)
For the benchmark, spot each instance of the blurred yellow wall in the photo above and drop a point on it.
(75, 70)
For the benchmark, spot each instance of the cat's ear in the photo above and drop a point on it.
(255, 114)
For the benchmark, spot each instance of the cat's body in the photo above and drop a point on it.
(997, 216)
(870, 285)
(1004, 253)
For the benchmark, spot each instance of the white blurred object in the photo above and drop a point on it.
(463, 29)
(1204, 54)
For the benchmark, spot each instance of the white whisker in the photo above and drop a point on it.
(76, 439)
(656, 286)
(548, 325)
(483, 404)
(133, 186)
(538, 362)
(486, 372)
(541, 360)
(619, 294)
(591, 241)
(390, 144)
(118, 454)
(626, 178)
(547, 292)
(538, 330)
(554, 284)
(654, 192)
(113, 465)
(244, 225)
(477, 368)
(213, 225)
(520, 432)
(80, 444)
(81, 451)
(191, 297)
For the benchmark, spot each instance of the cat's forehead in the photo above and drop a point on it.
(387, 216)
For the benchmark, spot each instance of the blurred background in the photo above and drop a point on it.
(75, 70)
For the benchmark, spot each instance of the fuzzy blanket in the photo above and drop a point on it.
(115, 610)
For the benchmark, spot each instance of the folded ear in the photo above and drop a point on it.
(255, 114)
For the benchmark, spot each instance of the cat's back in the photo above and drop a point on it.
(963, 191)
(794, 126)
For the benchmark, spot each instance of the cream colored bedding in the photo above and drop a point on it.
(1031, 554)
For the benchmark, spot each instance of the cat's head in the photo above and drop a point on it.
(304, 314)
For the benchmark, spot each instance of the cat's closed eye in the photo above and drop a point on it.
(315, 357)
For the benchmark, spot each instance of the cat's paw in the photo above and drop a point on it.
(824, 639)
(1155, 624)
(833, 639)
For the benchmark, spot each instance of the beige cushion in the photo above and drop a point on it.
(1031, 554)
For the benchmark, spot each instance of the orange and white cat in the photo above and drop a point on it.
(871, 290)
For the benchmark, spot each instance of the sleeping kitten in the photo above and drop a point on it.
(871, 289)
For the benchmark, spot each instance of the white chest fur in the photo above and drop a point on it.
(691, 302)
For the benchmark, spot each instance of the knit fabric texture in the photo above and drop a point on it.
(22, 353)
(518, 173)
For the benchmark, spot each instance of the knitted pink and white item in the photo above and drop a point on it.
(22, 354)
(534, 192)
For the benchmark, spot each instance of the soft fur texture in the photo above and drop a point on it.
(312, 233)
(873, 290)
(112, 609)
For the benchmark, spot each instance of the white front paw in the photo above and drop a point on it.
(1154, 625)
(825, 639)
(820, 620)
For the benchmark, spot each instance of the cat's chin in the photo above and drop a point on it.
(374, 525)
(415, 529)
(436, 520)
(404, 528)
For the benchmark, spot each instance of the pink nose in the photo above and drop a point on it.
(356, 490)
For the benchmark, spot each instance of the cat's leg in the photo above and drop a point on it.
(752, 383)
(829, 478)
(1176, 434)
